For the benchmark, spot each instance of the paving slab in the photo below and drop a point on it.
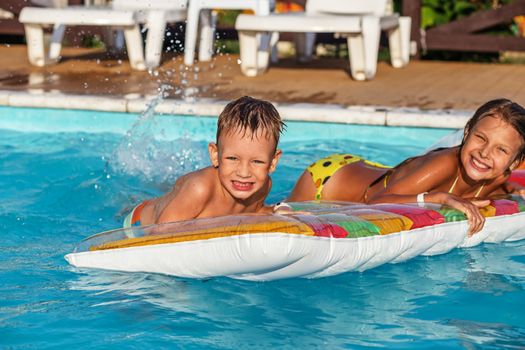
(422, 85)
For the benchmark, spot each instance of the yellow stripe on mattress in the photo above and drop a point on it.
(225, 231)
(387, 222)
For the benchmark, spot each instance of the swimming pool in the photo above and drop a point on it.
(65, 175)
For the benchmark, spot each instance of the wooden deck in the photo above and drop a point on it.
(423, 84)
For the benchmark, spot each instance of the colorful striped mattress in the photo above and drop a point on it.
(317, 239)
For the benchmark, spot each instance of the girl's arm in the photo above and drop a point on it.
(427, 176)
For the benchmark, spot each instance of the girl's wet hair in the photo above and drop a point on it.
(250, 116)
(510, 112)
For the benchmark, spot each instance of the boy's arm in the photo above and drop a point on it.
(187, 202)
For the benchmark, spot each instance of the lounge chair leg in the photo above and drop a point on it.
(35, 44)
(399, 41)
(191, 34)
(405, 24)
(208, 20)
(156, 27)
(304, 46)
(266, 41)
(114, 39)
(134, 47)
(253, 59)
(363, 49)
(56, 42)
(274, 56)
(274, 38)
(356, 56)
(394, 46)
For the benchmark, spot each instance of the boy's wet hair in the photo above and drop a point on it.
(510, 112)
(249, 115)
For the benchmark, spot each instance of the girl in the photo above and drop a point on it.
(493, 145)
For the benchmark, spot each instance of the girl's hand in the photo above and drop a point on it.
(469, 208)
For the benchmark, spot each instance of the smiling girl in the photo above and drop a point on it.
(493, 145)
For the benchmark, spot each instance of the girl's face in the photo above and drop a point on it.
(490, 149)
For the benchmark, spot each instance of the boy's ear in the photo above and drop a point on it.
(214, 154)
(275, 160)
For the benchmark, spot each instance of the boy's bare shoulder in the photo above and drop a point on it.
(200, 182)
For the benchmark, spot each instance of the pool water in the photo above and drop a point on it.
(65, 175)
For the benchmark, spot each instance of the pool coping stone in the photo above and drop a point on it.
(332, 113)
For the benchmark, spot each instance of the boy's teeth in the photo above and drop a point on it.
(241, 184)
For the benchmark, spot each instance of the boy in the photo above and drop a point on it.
(238, 181)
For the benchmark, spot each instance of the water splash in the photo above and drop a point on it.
(140, 153)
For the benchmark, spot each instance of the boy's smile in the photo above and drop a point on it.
(242, 186)
(490, 149)
(244, 162)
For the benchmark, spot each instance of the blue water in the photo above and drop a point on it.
(65, 175)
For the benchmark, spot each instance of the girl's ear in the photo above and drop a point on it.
(466, 131)
(514, 165)
(213, 150)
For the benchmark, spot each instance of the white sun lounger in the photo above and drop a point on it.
(199, 15)
(123, 14)
(360, 21)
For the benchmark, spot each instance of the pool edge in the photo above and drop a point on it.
(332, 113)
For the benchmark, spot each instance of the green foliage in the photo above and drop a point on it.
(227, 46)
(436, 12)
(227, 17)
(93, 41)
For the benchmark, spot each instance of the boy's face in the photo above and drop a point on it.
(244, 162)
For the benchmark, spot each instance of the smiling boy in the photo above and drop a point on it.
(243, 157)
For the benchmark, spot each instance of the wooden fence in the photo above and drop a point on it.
(464, 34)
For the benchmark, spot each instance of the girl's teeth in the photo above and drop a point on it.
(479, 165)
